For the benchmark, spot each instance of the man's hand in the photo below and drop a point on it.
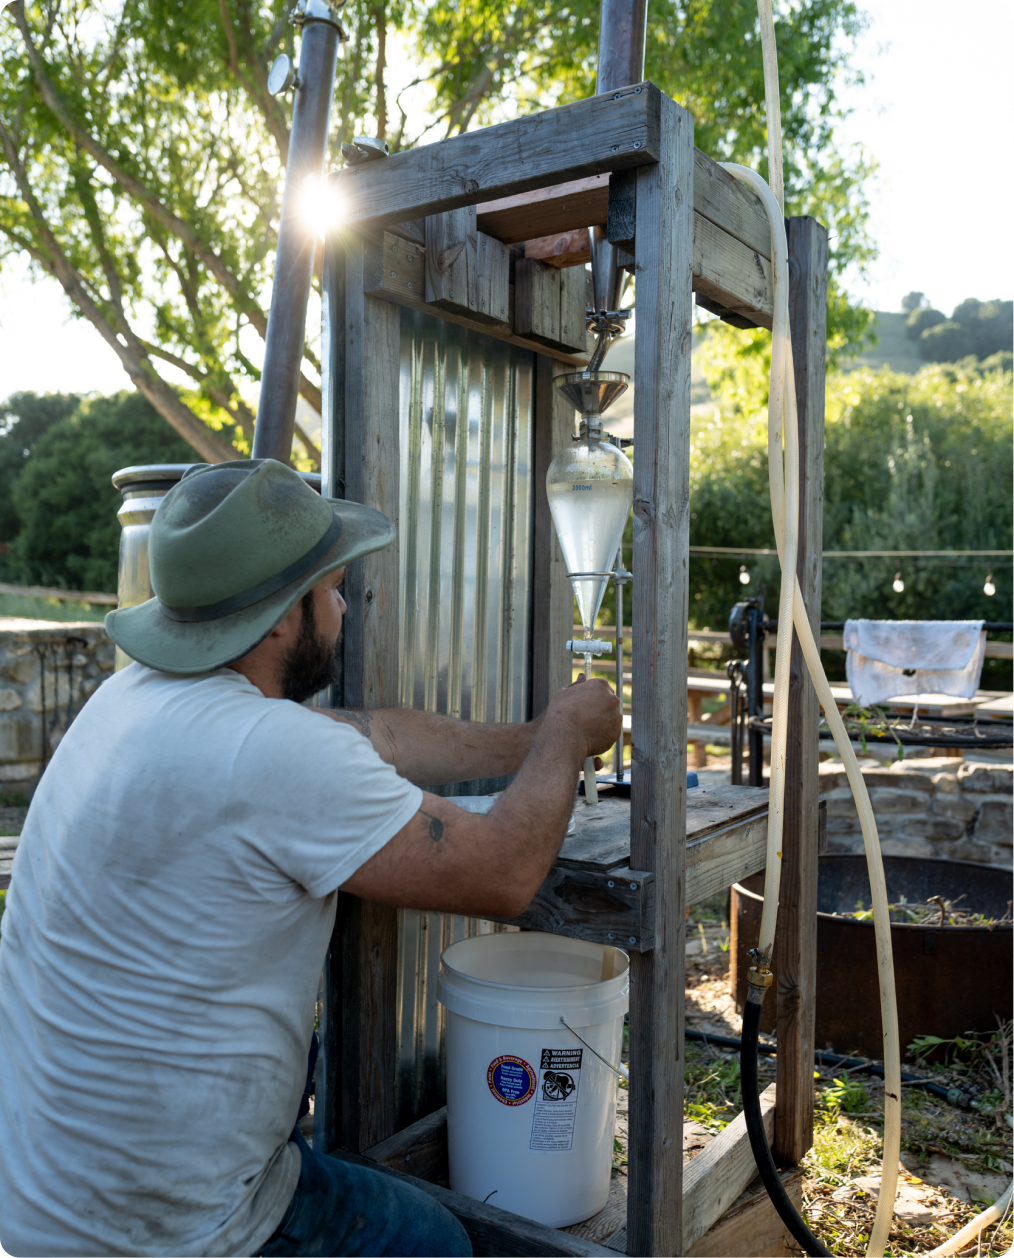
(590, 711)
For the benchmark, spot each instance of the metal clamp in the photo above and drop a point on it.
(319, 11)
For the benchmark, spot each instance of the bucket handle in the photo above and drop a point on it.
(620, 1070)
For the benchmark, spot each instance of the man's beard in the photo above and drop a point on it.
(312, 663)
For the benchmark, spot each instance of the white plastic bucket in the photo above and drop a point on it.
(530, 1111)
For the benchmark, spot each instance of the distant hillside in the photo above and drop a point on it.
(893, 348)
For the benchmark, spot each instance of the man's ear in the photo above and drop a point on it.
(289, 625)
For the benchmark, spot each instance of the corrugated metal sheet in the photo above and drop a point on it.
(464, 538)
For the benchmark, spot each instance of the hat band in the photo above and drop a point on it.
(246, 598)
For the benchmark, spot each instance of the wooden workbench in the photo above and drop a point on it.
(593, 893)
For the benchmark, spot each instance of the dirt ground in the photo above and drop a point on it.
(954, 1162)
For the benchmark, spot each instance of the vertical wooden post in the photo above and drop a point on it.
(355, 1102)
(796, 942)
(663, 248)
(552, 594)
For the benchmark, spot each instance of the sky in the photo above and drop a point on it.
(935, 113)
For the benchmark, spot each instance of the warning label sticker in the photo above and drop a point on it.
(511, 1080)
(556, 1100)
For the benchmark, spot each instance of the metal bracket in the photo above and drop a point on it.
(364, 148)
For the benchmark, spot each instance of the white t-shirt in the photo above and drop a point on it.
(170, 907)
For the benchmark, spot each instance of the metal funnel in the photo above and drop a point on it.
(592, 392)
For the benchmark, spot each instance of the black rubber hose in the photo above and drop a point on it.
(758, 1138)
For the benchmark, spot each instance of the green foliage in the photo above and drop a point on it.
(911, 463)
(919, 321)
(846, 1094)
(24, 418)
(945, 342)
(977, 328)
(68, 534)
(913, 301)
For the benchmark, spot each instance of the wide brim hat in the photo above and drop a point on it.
(232, 549)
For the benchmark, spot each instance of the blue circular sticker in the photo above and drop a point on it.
(511, 1080)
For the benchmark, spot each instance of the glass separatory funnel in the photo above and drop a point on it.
(591, 490)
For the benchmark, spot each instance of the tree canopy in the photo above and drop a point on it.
(979, 328)
(59, 504)
(142, 156)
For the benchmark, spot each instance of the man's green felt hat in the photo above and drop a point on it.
(232, 548)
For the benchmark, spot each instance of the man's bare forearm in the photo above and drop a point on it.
(431, 750)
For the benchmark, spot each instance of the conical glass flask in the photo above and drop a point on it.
(591, 490)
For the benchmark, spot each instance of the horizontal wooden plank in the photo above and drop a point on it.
(602, 833)
(395, 270)
(731, 274)
(721, 858)
(730, 205)
(615, 131)
(563, 207)
(492, 1231)
(569, 249)
(419, 1150)
(752, 1225)
(716, 1177)
(548, 211)
(603, 906)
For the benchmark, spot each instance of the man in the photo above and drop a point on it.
(173, 894)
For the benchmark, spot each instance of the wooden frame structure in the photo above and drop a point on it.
(439, 228)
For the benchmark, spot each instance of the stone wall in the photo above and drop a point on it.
(927, 807)
(47, 671)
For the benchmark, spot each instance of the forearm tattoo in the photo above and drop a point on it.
(361, 720)
(436, 826)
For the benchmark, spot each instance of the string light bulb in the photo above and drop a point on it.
(744, 576)
(989, 589)
(898, 585)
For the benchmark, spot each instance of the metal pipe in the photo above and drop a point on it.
(622, 25)
(297, 239)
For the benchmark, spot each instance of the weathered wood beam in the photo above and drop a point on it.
(356, 1098)
(715, 1177)
(615, 906)
(395, 270)
(710, 1184)
(718, 860)
(493, 1231)
(611, 132)
(731, 274)
(796, 940)
(753, 1225)
(564, 207)
(419, 1150)
(569, 249)
(548, 211)
(664, 251)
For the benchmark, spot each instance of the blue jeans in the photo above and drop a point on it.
(341, 1208)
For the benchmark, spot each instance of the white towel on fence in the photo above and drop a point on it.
(890, 658)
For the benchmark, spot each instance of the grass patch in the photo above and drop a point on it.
(28, 607)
